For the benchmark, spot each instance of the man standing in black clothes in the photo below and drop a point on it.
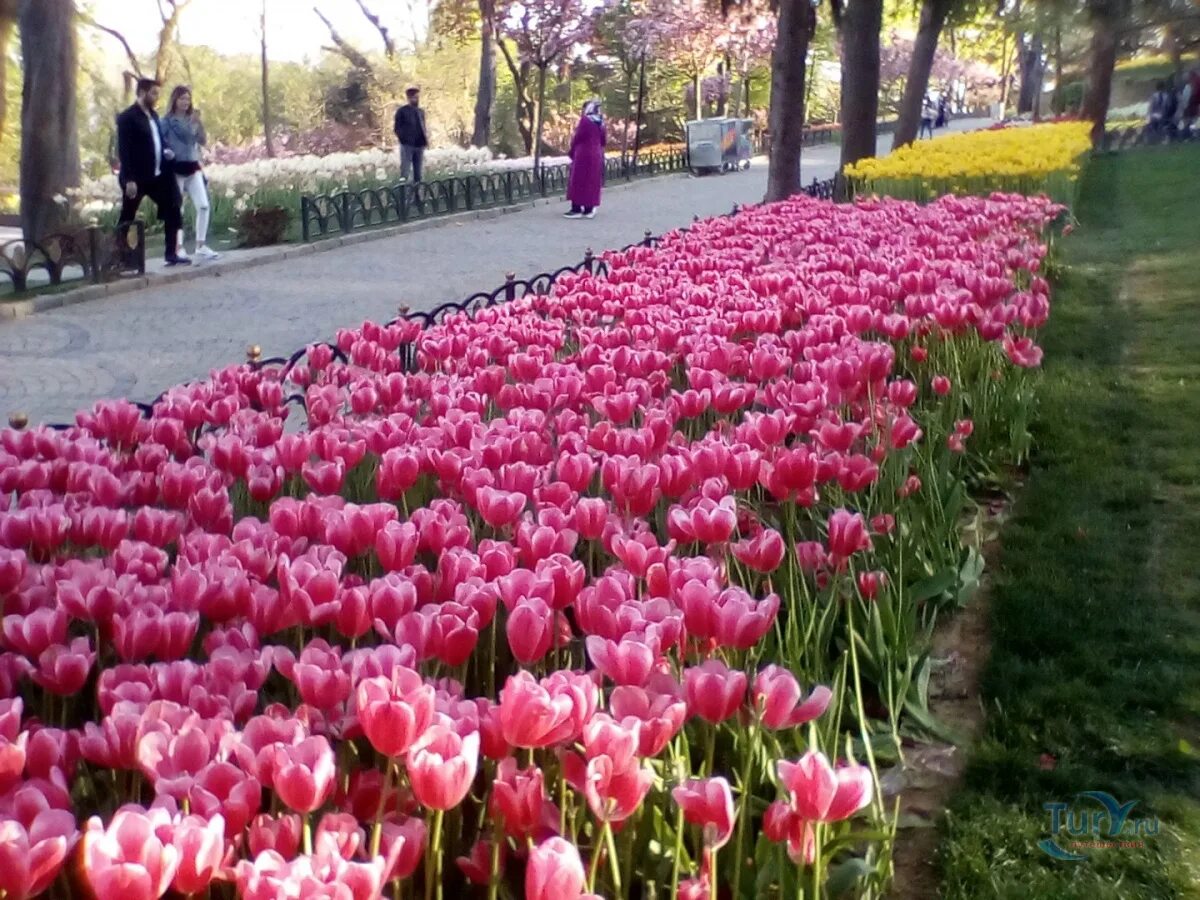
(410, 131)
(144, 167)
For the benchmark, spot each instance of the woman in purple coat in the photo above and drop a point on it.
(587, 163)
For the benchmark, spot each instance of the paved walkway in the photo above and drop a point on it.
(136, 345)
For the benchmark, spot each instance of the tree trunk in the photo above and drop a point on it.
(1103, 59)
(485, 96)
(268, 127)
(1056, 98)
(933, 18)
(8, 20)
(1032, 65)
(641, 105)
(789, 67)
(745, 104)
(524, 106)
(861, 24)
(539, 117)
(49, 135)
(1005, 72)
(1174, 51)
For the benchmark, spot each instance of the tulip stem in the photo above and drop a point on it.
(743, 804)
(307, 833)
(494, 881)
(614, 861)
(712, 874)
(433, 862)
(593, 865)
(710, 755)
(377, 831)
(818, 836)
(678, 852)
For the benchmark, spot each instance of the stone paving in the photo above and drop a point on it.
(136, 345)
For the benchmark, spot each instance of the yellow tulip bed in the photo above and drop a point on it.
(1038, 159)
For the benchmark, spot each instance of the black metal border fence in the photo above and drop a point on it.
(344, 212)
(100, 254)
(513, 289)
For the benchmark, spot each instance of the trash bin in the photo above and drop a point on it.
(711, 144)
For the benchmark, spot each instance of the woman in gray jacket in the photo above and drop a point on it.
(183, 135)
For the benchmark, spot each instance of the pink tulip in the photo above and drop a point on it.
(518, 797)
(848, 535)
(404, 846)
(660, 713)
(304, 774)
(777, 696)
(545, 714)
(222, 788)
(395, 712)
(530, 630)
(714, 692)
(499, 509)
(821, 793)
(63, 670)
(33, 850)
(442, 766)
(128, 859)
(740, 621)
(554, 872)
(628, 662)
(171, 761)
(708, 803)
(201, 848)
(280, 834)
(763, 553)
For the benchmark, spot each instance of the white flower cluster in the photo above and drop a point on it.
(1132, 111)
(283, 180)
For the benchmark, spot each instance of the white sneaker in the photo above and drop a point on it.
(590, 215)
(181, 253)
(204, 252)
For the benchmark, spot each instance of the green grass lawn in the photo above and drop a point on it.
(1096, 606)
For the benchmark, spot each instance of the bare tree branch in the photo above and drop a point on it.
(344, 48)
(389, 45)
(166, 37)
(129, 54)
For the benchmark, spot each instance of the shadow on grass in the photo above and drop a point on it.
(1094, 680)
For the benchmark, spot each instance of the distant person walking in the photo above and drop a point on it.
(1189, 103)
(587, 162)
(1162, 109)
(183, 134)
(928, 114)
(410, 131)
(143, 171)
(943, 112)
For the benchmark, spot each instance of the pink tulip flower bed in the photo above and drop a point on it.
(622, 590)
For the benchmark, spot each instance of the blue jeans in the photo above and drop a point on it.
(412, 160)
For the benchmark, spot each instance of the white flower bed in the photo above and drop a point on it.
(274, 180)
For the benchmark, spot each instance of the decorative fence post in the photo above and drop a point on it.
(510, 287)
(589, 261)
(93, 234)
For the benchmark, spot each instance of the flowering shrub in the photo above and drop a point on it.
(1035, 159)
(535, 602)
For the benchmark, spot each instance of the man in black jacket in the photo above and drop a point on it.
(410, 131)
(145, 167)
